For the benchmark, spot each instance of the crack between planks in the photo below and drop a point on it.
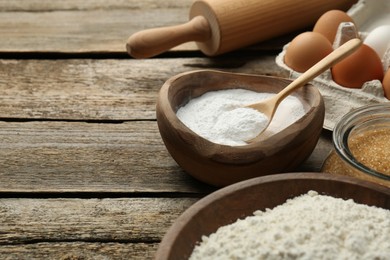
(101, 55)
(100, 195)
(91, 241)
(92, 121)
(122, 55)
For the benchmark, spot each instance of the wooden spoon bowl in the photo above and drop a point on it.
(221, 165)
(226, 205)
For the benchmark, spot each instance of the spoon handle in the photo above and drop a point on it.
(324, 64)
(148, 43)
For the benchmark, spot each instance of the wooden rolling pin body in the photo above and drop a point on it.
(220, 26)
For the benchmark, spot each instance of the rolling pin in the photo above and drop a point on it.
(220, 26)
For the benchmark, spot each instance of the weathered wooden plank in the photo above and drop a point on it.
(50, 5)
(101, 89)
(79, 251)
(71, 157)
(121, 220)
(77, 31)
(60, 157)
(83, 26)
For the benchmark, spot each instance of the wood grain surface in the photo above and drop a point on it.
(84, 173)
(79, 250)
(102, 89)
(85, 228)
(109, 219)
(58, 157)
(86, 26)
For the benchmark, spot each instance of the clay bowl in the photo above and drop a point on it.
(221, 165)
(239, 200)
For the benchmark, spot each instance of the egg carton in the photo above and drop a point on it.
(339, 100)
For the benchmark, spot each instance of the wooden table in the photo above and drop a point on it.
(84, 173)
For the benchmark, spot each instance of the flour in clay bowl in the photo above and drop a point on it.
(310, 226)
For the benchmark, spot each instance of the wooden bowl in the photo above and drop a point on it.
(239, 200)
(221, 165)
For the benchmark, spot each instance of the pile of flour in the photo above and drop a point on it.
(310, 226)
(220, 116)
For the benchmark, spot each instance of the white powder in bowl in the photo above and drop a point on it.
(221, 116)
(310, 226)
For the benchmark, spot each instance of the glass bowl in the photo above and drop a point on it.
(362, 145)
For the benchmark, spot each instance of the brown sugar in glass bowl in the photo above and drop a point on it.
(222, 165)
(362, 145)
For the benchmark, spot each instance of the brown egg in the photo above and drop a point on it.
(386, 84)
(361, 66)
(305, 50)
(329, 22)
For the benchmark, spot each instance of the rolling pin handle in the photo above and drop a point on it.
(151, 42)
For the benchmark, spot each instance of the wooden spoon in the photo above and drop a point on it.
(269, 106)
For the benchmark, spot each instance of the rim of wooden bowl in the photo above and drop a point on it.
(271, 187)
